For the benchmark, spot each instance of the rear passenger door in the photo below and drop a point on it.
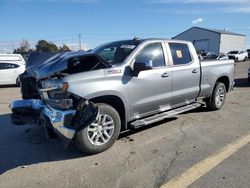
(185, 74)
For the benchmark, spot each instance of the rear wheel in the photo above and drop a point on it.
(216, 101)
(101, 134)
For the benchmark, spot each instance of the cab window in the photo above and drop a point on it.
(180, 53)
(152, 54)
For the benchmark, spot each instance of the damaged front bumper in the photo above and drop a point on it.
(64, 122)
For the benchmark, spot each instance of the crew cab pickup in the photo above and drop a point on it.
(89, 98)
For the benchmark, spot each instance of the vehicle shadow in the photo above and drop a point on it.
(241, 82)
(25, 145)
(8, 86)
(202, 109)
(134, 131)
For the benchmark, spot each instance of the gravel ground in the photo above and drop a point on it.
(145, 158)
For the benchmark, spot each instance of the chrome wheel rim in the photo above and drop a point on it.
(219, 97)
(101, 131)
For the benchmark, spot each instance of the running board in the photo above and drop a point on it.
(158, 117)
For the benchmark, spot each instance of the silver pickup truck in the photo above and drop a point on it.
(89, 98)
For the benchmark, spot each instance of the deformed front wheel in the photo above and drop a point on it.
(216, 101)
(101, 134)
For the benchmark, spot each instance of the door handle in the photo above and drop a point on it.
(195, 71)
(165, 75)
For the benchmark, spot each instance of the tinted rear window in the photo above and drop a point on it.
(180, 53)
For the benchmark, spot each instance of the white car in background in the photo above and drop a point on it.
(240, 55)
(11, 66)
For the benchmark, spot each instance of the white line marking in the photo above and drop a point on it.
(195, 172)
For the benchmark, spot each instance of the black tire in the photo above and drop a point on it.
(17, 83)
(82, 140)
(212, 102)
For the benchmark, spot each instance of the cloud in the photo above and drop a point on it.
(237, 9)
(197, 21)
(219, 6)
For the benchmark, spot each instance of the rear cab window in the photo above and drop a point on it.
(180, 53)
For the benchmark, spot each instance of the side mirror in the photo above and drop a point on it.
(141, 66)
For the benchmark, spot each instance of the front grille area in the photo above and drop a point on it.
(29, 87)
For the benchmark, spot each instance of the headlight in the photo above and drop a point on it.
(48, 85)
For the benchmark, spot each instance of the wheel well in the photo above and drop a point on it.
(224, 80)
(116, 103)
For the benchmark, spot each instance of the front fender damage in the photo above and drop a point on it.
(65, 123)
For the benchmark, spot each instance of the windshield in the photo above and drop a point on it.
(233, 52)
(116, 52)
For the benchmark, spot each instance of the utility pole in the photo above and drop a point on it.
(80, 46)
(13, 46)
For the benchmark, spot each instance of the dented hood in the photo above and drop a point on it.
(59, 63)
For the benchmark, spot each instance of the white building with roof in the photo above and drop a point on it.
(213, 40)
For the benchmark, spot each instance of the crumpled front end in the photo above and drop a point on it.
(46, 100)
(64, 122)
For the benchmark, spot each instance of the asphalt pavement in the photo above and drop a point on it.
(149, 157)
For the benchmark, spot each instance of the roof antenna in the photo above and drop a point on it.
(135, 38)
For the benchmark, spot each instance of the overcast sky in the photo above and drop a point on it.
(98, 21)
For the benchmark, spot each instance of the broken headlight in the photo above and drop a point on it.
(55, 84)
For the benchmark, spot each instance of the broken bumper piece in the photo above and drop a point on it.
(60, 120)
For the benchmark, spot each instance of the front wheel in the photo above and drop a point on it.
(216, 101)
(101, 134)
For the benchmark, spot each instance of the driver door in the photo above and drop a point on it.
(150, 90)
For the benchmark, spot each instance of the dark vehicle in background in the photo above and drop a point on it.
(222, 56)
(211, 55)
(249, 75)
(248, 53)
